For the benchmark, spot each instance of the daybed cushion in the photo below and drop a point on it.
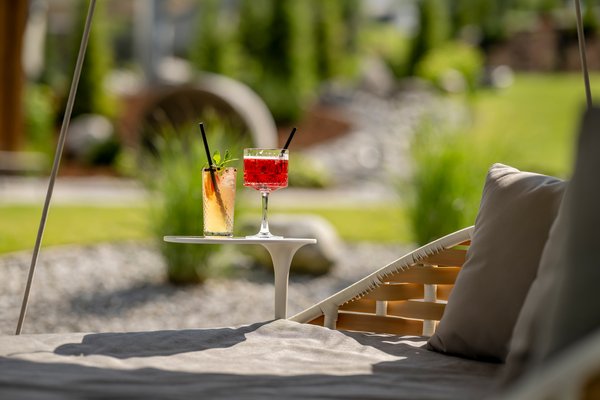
(562, 306)
(541, 294)
(516, 212)
(277, 359)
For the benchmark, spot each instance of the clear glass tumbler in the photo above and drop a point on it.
(218, 200)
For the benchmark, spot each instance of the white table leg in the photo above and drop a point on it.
(281, 255)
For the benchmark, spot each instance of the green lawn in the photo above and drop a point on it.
(384, 223)
(69, 224)
(90, 224)
(531, 124)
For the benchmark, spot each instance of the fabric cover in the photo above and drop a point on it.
(516, 212)
(562, 306)
(278, 359)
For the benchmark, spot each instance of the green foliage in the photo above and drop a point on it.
(175, 176)
(39, 118)
(305, 172)
(280, 48)
(388, 43)
(180, 185)
(590, 16)
(446, 184)
(215, 48)
(221, 162)
(92, 97)
(441, 65)
(487, 17)
(450, 167)
(434, 29)
(284, 72)
(329, 36)
(104, 153)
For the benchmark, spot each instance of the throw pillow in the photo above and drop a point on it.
(516, 212)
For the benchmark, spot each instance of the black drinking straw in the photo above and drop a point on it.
(287, 143)
(211, 168)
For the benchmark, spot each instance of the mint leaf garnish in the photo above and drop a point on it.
(221, 162)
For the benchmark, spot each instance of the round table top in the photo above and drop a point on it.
(240, 240)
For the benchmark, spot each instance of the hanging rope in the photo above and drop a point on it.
(583, 54)
(57, 157)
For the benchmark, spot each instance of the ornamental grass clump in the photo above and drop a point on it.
(446, 183)
(174, 177)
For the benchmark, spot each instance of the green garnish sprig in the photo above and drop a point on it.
(219, 161)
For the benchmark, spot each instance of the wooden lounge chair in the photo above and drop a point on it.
(406, 297)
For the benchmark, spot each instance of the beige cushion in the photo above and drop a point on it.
(516, 212)
(541, 294)
(562, 306)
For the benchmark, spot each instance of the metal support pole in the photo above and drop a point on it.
(583, 54)
(57, 157)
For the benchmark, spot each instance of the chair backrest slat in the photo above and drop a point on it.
(425, 275)
(378, 324)
(396, 292)
(443, 291)
(447, 258)
(406, 297)
(416, 309)
(360, 305)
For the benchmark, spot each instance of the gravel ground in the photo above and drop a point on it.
(377, 150)
(122, 287)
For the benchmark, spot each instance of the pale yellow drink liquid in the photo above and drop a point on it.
(218, 207)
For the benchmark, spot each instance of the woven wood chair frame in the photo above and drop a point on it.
(406, 297)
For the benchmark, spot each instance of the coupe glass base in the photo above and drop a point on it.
(263, 236)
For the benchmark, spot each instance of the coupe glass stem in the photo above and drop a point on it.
(264, 224)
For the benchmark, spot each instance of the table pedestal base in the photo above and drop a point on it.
(282, 251)
(281, 255)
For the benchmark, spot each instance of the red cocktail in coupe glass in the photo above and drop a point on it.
(265, 170)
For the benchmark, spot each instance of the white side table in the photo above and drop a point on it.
(281, 250)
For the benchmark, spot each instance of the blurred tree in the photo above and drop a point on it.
(434, 29)
(590, 16)
(329, 37)
(215, 48)
(278, 46)
(337, 25)
(483, 19)
(92, 96)
(352, 16)
(254, 22)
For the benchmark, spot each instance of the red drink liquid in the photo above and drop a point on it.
(265, 173)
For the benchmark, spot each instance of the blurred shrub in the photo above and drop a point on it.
(480, 22)
(40, 114)
(174, 178)
(92, 95)
(591, 21)
(453, 67)
(329, 38)
(280, 48)
(104, 153)
(446, 184)
(284, 72)
(215, 48)
(434, 30)
(388, 43)
(306, 172)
